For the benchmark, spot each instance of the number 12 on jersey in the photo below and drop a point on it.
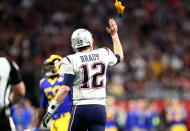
(94, 80)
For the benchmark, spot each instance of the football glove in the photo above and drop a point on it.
(46, 119)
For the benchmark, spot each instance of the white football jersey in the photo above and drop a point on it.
(89, 70)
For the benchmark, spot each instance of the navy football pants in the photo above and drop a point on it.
(88, 117)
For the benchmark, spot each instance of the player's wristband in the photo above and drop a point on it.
(53, 106)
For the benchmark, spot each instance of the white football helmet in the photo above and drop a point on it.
(81, 38)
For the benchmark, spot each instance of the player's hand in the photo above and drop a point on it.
(46, 119)
(112, 29)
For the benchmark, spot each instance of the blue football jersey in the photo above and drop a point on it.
(49, 88)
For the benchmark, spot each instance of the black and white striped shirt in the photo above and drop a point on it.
(9, 75)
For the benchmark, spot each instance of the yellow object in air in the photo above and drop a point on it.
(120, 8)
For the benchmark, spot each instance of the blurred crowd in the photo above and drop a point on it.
(147, 115)
(155, 35)
(133, 115)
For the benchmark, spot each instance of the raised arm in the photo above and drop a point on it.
(112, 30)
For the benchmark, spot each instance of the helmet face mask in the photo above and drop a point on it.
(81, 38)
(48, 67)
(51, 66)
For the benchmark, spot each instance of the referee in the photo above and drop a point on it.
(12, 89)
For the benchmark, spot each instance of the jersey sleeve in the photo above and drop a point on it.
(66, 67)
(15, 76)
(113, 59)
(44, 100)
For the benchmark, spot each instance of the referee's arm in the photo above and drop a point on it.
(18, 87)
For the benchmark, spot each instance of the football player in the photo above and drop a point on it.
(49, 86)
(85, 74)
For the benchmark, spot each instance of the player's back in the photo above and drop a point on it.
(90, 75)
